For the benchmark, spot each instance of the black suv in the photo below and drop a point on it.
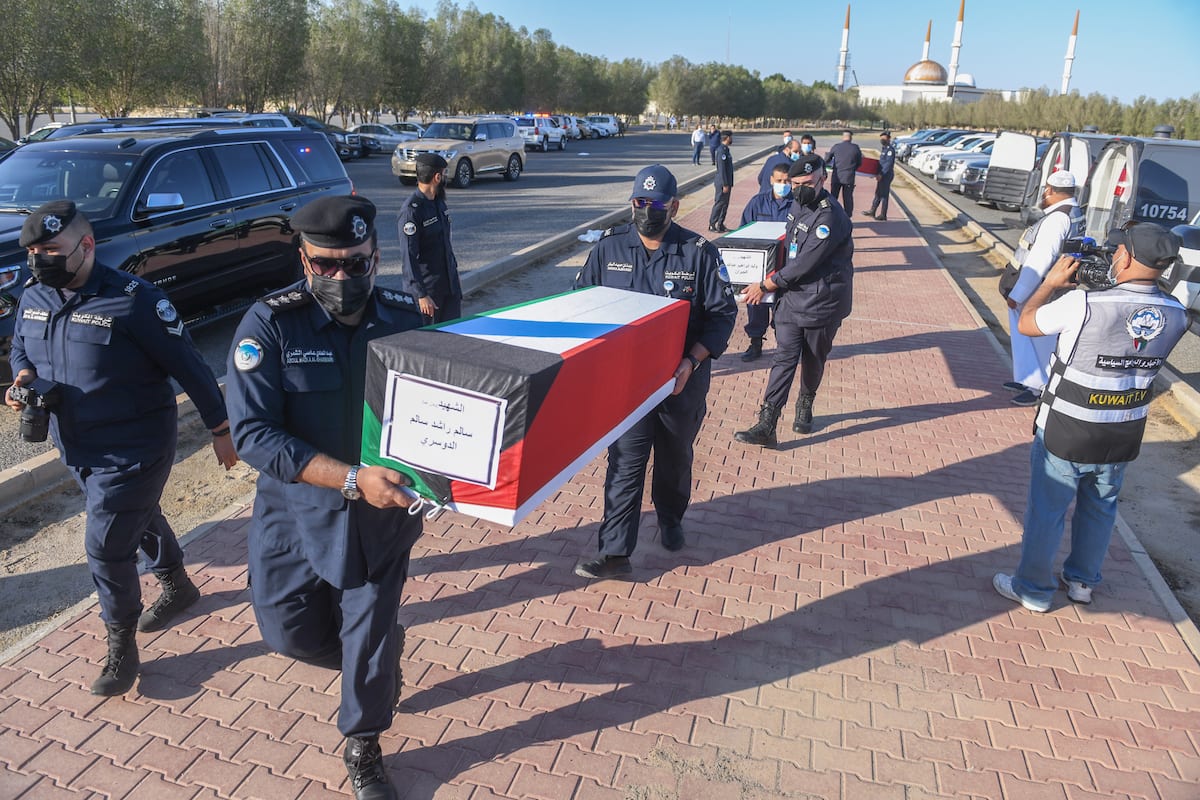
(203, 214)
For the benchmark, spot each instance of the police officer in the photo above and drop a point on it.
(783, 157)
(329, 540)
(813, 295)
(714, 142)
(1089, 426)
(112, 342)
(723, 185)
(429, 264)
(656, 256)
(883, 179)
(771, 205)
(845, 158)
(1036, 252)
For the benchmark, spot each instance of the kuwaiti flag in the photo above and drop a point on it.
(491, 414)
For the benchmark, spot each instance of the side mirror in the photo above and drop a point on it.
(161, 202)
(481, 137)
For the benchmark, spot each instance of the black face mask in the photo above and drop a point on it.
(345, 297)
(650, 222)
(51, 270)
(804, 195)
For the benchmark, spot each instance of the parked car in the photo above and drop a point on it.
(347, 145)
(202, 213)
(1074, 152)
(926, 162)
(6, 145)
(585, 128)
(542, 132)
(952, 167)
(1183, 279)
(603, 125)
(472, 146)
(40, 133)
(1146, 180)
(920, 150)
(408, 130)
(1013, 158)
(972, 181)
(906, 150)
(377, 138)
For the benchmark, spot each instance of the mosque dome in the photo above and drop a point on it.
(965, 79)
(926, 72)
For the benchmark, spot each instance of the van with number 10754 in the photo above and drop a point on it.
(1142, 179)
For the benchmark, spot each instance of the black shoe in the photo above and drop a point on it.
(672, 538)
(1026, 398)
(178, 593)
(121, 666)
(881, 219)
(803, 421)
(1014, 386)
(868, 213)
(762, 433)
(722, 229)
(713, 229)
(603, 567)
(754, 351)
(364, 765)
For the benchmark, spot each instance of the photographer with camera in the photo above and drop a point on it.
(1089, 426)
(1040, 245)
(93, 353)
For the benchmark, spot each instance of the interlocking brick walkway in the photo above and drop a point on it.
(829, 632)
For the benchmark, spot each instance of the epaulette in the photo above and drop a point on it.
(395, 299)
(608, 233)
(288, 300)
(824, 203)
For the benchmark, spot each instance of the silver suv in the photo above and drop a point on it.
(471, 146)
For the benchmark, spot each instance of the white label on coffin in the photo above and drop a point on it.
(435, 427)
(745, 266)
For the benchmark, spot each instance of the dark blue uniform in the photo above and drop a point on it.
(883, 186)
(114, 344)
(724, 189)
(685, 267)
(845, 158)
(817, 282)
(326, 572)
(714, 141)
(780, 158)
(430, 267)
(763, 207)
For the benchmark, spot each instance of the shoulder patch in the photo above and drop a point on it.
(165, 311)
(288, 300)
(822, 231)
(608, 232)
(247, 355)
(409, 228)
(395, 299)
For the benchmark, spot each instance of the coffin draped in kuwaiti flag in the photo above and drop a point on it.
(491, 414)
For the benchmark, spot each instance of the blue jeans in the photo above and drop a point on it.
(1053, 483)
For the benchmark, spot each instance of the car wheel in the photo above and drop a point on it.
(463, 174)
(545, 143)
(595, 133)
(562, 143)
(513, 171)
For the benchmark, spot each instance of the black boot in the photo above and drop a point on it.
(763, 433)
(804, 404)
(364, 765)
(121, 667)
(754, 350)
(178, 592)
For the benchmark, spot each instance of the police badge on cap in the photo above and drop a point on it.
(807, 165)
(47, 221)
(336, 222)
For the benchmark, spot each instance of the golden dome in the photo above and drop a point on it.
(925, 72)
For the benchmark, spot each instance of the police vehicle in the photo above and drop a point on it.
(1144, 179)
(203, 213)
(1183, 278)
(541, 131)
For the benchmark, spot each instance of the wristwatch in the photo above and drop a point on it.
(762, 287)
(695, 361)
(350, 487)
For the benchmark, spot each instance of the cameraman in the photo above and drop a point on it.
(1111, 345)
(111, 342)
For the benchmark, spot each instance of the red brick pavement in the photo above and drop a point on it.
(830, 631)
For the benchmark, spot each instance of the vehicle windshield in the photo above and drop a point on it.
(597, 119)
(450, 130)
(29, 178)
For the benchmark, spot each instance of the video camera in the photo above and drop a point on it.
(1095, 263)
(40, 398)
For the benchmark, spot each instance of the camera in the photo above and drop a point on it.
(1095, 263)
(40, 398)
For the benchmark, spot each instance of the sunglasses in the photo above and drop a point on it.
(644, 202)
(354, 266)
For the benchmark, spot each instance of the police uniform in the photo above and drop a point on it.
(1092, 416)
(430, 268)
(684, 267)
(113, 344)
(780, 158)
(723, 186)
(763, 207)
(326, 572)
(883, 186)
(845, 157)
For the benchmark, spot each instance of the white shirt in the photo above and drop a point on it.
(698, 136)
(1064, 316)
(1043, 252)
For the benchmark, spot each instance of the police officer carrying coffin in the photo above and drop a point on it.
(845, 158)
(723, 185)
(813, 295)
(429, 264)
(772, 205)
(105, 344)
(1089, 426)
(883, 179)
(656, 256)
(329, 541)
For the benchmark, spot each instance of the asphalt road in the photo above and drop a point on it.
(1005, 226)
(491, 218)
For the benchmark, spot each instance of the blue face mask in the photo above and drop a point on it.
(794, 156)
(781, 190)
(806, 148)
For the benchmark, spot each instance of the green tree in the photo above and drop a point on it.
(541, 68)
(34, 58)
(627, 83)
(264, 44)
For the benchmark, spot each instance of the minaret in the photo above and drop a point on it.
(925, 52)
(1070, 55)
(845, 52)
(954, 48)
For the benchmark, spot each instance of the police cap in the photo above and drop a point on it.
(655, 182)
(431, 160)
(1147, 243)
(807, 165)
(336, 222)
(49, 220)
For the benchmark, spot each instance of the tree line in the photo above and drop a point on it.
(358, 58)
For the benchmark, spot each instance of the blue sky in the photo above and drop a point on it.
(1125, 49)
